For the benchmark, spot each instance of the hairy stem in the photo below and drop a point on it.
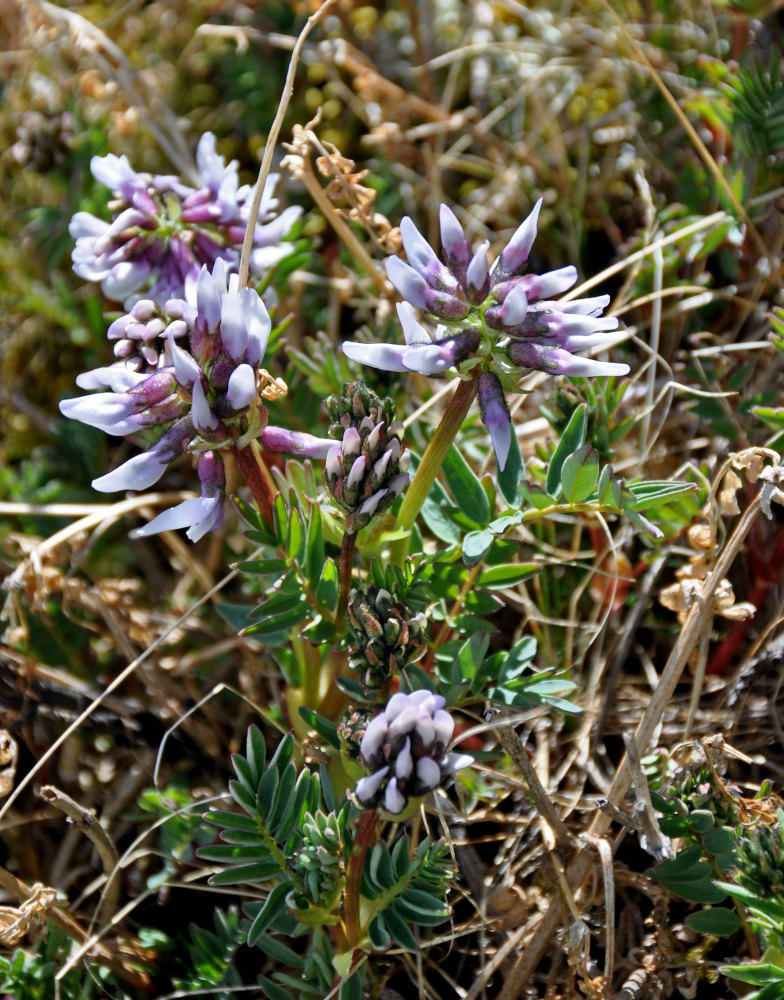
(365, 830)
(255, 474)
(346, 565)
(432, 460)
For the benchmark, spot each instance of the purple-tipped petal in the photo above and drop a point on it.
(203, 418)
(394, 801)
(444, 726)
(413, 331)
(372, 502)
(111, 413)
(334, 463)
(295, 443)
(241, 390)
(396, 704)
(421, 256)
(454, 761)
(429, 359)
(185, 368)
(357, 473)
(557, 361)
(456, 247)
(477, 273)
(200, 515)
(367, 788)
(514, 308)
(515, 254)
(412, 286)
(545, 286)
(352, 443)
(495, 416)
(404, 763)
(387, 357)
(138, 473)
(428, 774)
(118, 378)
(374, 738)
(232, 327)
(208, 297)
(586, 307)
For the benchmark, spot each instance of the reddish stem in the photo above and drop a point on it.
(346, 566)
(257, 479)
(365, 831)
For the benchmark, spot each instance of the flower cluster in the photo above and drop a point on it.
(404, 749)
(387, 636)
(499, 318)
(163, 231)
(206, 396)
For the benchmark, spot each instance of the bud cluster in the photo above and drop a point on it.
(404, 751)
(43, 140)
(319, 860)
(760, 860)
(351, 729)
(353, 405)
(367, 470)
(386, 635)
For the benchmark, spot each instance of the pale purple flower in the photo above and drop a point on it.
(404, 751)
(420, 353)
(205, 397)
(496, 318)
(199, 515)
(163, 231)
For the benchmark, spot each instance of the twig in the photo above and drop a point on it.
(74, 930)
(512, 743)
(651, 838)
(272, 138)
(117, 682)
(86, 821)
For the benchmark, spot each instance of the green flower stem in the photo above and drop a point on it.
(255, 473)
(346, 566)
(365, 831)
(432, 460)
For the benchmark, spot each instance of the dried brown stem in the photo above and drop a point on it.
(86, 821)
(698, 620)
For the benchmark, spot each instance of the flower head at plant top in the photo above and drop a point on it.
(207, 395)
(500, 318)
(404, 750)
(164, 231)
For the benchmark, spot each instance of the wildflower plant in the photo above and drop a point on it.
(383, 560)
